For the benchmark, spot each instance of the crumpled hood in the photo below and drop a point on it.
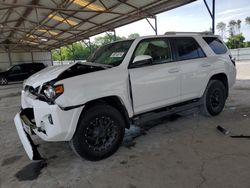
(62, 72)
(46, 75)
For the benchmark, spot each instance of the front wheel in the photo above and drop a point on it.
(99, 133)
(214, 98)
(3, 81)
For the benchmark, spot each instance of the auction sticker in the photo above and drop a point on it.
(117, 54)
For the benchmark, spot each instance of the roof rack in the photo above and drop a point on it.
(188, 33)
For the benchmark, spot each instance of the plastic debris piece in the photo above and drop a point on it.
(223, 130)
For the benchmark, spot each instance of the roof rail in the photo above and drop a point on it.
(188, 33)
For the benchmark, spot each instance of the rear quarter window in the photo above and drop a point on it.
(216, 45)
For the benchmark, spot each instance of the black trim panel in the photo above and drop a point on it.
(70, 107)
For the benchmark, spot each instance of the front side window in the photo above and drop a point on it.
(188, 48)
(216, 45)
(158, 49)
(16, 69)
(111, 54)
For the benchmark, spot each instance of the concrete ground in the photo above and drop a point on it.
(179, 152)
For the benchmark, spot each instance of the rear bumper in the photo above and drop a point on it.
(29, 147)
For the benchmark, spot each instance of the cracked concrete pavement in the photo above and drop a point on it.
(183, 152)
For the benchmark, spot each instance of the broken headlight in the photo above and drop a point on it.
(52, 92)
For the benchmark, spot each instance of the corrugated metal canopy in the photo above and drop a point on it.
(45, 25)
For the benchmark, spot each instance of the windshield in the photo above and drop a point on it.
(111, 54)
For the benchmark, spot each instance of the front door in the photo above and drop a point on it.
(156, 85)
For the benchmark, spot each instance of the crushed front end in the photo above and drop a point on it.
(43, 118)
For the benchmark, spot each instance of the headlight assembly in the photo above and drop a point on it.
(52, 92)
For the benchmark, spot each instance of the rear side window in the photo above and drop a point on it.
(188, 48)
(216, 45)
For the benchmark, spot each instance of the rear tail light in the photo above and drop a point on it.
(232, 59)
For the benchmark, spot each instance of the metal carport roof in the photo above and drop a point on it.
(45, 25)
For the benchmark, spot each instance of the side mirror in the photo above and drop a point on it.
(141, 60)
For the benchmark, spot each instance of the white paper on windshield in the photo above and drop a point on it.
(117, 54)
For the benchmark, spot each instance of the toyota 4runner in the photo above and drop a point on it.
(90, 104)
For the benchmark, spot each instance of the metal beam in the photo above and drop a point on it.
(33, 6)
(25, 15)
(32, 57)
(61, 55)
(154, 27)
(213, 22)
(164, 6)
(135, 13)
(9, 56)
(211, 13)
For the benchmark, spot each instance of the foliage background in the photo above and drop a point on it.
(230, 33)
(81, 51)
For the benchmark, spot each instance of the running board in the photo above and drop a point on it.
(159, 113)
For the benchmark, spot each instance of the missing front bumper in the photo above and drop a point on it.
(29, 146)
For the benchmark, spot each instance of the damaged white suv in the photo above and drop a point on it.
(90, 104)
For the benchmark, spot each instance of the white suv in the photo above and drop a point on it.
(90, 104)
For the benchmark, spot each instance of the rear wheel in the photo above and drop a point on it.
(99, 133)
(214, 98)
(3, 81)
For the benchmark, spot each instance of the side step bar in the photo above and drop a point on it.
(159, 113)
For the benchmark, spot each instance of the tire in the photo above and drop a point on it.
(3, 81)
(214, 98)
(99, 132)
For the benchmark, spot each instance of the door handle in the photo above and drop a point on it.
(206, 65)
(173, 70)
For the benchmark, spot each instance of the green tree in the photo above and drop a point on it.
(76, 51)
(247, 44)
(221, 27)
(232, 27)
(106, 39)
(133, 36)
(79, 51)
(238, 25)
(247, 20)
(236, 41)
(56, 55)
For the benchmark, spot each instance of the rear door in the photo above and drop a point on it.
(193, 65)
(156, 85)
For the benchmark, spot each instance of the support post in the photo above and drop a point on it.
(73, 51)
(61, 55)
(213, 28)
(9, 55)
(114, 35)
(90, 47)
(154, 27)
(88, 44)
(51, 56)
(32, 57)
(212, 13)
